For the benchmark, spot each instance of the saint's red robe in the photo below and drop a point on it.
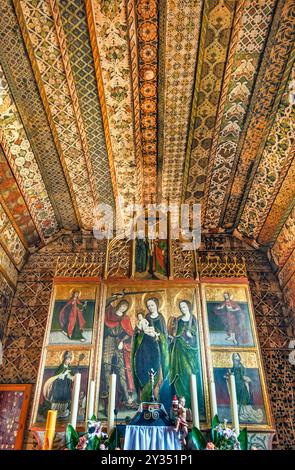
(72, 313)
(112, 320)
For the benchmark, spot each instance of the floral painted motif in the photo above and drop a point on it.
(23, 162)
(285, 243)
(112, 39)
(256, 20)
(40, 27)
(212, 57)
(275, 161)
(269, 86)
(10, 239)
(179, 61)
(8, 267)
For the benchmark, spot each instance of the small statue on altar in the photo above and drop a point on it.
(181, 422)
(174, 409)
(152, 375)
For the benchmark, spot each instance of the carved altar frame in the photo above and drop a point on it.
(227, 283)
(91, 347)
(148, 285)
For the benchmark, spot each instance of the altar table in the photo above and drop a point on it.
(151, 438)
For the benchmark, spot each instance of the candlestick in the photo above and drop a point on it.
(91, 399)
(213, 402)
(75, 399)
(194, 401)
(234, 403)
(50, 429)
(112, 402)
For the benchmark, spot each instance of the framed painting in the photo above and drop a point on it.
(14, 403)
(144, 326)
(151, 258)
(229, 317)
(55, 384)
(72, 313)
(253, 406)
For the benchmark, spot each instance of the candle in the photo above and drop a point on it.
(91, 399)
(234, 403)
(194, 401)
(75, 399)
(213, 401)
(50, 429)
(112, 402)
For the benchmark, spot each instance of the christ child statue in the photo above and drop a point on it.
(181, 423)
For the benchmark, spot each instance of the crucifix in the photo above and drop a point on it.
(152, 375)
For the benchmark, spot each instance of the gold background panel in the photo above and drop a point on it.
(224, 359)
(168, 299)
(64, 292)
(54, 358)
(215, 293)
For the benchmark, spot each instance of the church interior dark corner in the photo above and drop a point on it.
(147, 228)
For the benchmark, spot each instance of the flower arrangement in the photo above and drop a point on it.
(92, 439)
(222, 438)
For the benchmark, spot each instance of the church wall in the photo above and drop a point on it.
(26, 326)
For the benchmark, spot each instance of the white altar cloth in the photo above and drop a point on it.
(151, 438)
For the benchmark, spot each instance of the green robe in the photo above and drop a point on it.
(244, 395)
(185, 359)
(147, 353)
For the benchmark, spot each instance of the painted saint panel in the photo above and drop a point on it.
(73, 314)
(150, 327)
(250, 395)
(57, 383)
(151, 258)
(229, 317)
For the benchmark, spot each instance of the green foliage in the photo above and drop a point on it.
(93, 443)
(243, 439)
(113, 440)
(214, 433)
(222, 438)
(198, 439)
(72, 437)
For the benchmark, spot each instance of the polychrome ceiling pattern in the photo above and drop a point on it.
(179, 42)
(18, 71)
(108, 22)
(150, 100)
(21, 158)
(10, 240)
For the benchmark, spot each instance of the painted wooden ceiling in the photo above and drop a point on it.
(151, 100)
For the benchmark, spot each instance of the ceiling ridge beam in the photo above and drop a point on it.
(146, 32)
(134, 61)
